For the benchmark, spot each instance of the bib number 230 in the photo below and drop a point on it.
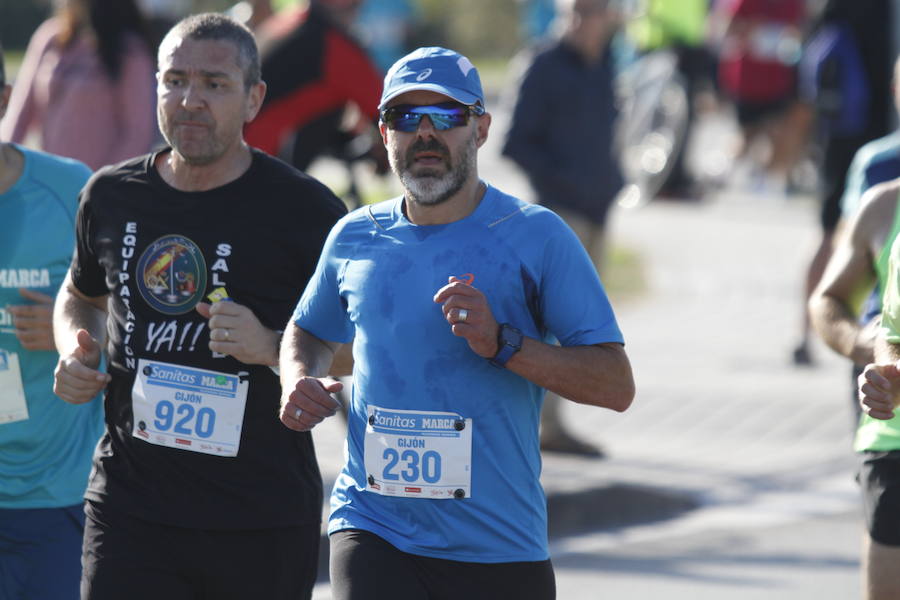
(418, 454)
(410, 466)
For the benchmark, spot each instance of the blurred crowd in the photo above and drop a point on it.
(808, 84)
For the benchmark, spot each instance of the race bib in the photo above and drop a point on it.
(418, 454)
(188, 408)
(12, 393)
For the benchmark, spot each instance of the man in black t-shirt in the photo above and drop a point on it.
(188, 263)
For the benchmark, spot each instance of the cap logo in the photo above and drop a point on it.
(464, 65)
(423, 75)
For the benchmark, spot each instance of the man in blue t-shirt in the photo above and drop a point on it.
(45, 444)
(454, 296)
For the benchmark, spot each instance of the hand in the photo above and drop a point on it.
(879, 387)
(34, 322)
(234, 330)
(76, 378)
(479, 327)
(309, 403)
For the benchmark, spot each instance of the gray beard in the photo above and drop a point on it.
(430, 190)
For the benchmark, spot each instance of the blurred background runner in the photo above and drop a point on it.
(86, 84)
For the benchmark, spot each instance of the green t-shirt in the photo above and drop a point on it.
(876, 434)
(670, 21)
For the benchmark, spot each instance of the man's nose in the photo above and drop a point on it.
(192, 96)
(426, 127)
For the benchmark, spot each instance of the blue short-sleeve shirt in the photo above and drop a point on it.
(375, 284)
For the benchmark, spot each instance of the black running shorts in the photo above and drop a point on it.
(126, 557)
(879, 479)
(366, 567)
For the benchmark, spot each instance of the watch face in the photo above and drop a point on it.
(510, 340)
(511, 336)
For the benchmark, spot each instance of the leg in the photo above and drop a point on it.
(879, 479)
(451, 580)
(276, 564)
(366, 567)
(35, 543)
(881, 576)
(814, 273)
(789, 135)
(839, 154)
(555, 437)
(124, 557)
(591, 234)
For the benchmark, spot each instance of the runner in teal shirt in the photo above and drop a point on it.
(45, 443)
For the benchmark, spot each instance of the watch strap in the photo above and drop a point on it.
(509, 341)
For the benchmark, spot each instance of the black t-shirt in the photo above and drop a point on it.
(157, 252)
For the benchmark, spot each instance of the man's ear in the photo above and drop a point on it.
(483, 125)
(257, 94)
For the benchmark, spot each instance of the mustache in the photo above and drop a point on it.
(183, 116)
(430, 145)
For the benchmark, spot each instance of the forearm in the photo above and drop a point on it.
(598, 375)
(839, 328)
(303, 355)
(885, 351)
(73, 311)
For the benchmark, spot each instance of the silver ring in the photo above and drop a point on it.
(226, 335)
(463, 315)
(297, 413)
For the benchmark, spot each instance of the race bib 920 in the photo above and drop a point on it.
(188, 408)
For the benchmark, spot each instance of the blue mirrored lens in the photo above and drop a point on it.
(406, 118)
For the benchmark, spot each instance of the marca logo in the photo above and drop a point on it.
(26, 278)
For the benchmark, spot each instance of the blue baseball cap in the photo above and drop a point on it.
(434, 69)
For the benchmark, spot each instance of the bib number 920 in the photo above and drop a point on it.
(185, 419)
(412, 466)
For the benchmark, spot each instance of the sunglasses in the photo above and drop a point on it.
(444, 116)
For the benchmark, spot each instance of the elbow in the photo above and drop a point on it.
(623, 397)
(814, 307)
(615, 389)
(617, 394)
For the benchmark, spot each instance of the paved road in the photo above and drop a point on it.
(808, 559)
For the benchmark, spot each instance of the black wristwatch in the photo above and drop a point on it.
(509, 341)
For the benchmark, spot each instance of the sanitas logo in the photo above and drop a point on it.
(176, 375)
(394, 421)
